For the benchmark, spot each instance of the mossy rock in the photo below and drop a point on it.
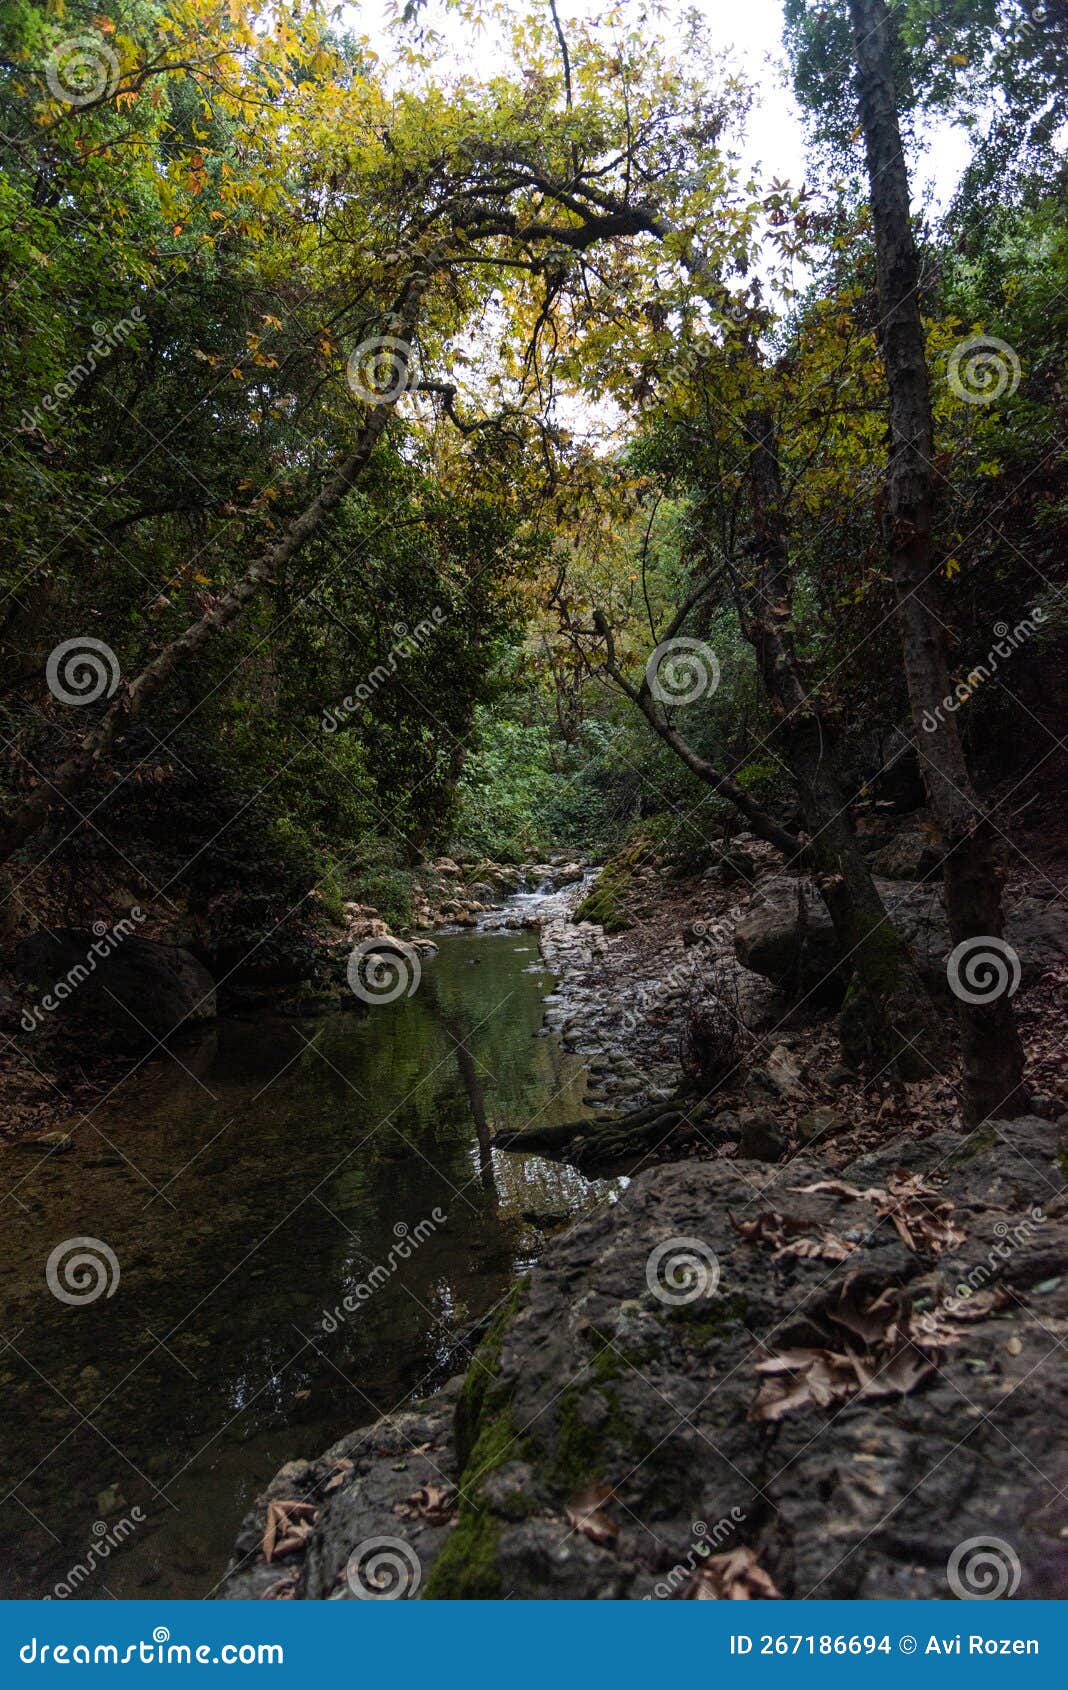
(485, 1439)
(606, 901)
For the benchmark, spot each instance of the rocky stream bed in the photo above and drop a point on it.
(814, 1348)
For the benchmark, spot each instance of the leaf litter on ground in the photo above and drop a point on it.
(923, 1219)
(734, 1576)
(288, 1528)
(585, 1513)
(893, 1352)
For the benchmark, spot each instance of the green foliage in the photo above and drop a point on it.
(195, 253)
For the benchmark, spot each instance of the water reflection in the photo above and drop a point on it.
(246, 1194)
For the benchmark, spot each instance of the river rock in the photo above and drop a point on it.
(593, 1375)
(912, 854)
(821, 1123)
(55, 1141)
(733, 864)
(139, 993)
(568, 874)
(784, 1071)
(760, 1139)
(794, 952)
(360, 1485)
(722, 1125)
(366, 927)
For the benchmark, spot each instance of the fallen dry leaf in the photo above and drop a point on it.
(897, 1351)
(342, 1469)
(827, 1246)
(922, 1218)
(873, 1323)
(842, 1188)
(976, 1305)
(732, 1577)
(282, 1590)
(792, 1237)
(436, 1503)
(284, 1532)
(586, 1515)
(821, 1378)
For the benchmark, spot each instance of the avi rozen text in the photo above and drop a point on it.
(813, 1643)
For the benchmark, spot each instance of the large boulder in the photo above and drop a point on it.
(884, 762)
(134, 990)
(786, 934)
(912, 854)
(631, 1416)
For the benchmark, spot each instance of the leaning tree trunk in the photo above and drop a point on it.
(886, 1015)
(992, 1053)
(762, 823)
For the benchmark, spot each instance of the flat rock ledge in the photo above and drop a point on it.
(605, 1443)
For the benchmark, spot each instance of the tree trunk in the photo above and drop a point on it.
(992, 1053)
(886, 1016)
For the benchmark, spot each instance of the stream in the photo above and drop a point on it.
(246, 1185)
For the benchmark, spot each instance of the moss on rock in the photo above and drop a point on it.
(605, 903)
(485, 1438)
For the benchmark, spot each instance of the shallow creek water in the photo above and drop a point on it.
(247, 1184)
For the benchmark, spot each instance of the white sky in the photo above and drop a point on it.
(752, 31)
